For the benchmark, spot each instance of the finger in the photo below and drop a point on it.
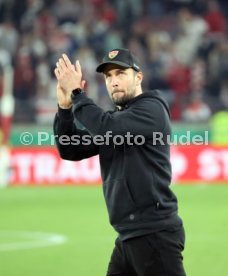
(67, 61)
(62, 64)
(57, 73)
(59, 66)
(78, 67)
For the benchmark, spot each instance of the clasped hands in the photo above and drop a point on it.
(69, 77)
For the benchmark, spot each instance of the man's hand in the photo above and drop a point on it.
(69, 77)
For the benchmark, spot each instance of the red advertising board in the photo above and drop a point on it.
(43, 166)
(206, 164)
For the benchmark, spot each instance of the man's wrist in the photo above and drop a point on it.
(65, 107)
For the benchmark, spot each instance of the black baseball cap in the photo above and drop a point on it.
(119, 56)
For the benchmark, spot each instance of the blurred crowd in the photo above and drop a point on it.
(182, 46)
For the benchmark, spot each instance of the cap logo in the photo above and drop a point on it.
(113, 54)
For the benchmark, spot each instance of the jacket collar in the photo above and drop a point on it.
(151, 94)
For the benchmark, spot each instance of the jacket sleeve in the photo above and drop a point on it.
(69, 138)
(143, 118)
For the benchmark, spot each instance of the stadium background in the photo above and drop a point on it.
(53, 216)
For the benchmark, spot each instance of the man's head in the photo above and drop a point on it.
(122, 74)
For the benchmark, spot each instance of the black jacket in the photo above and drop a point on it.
(136, 178)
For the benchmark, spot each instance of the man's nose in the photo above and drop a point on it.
(114, 81)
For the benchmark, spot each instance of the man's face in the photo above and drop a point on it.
(120, 83)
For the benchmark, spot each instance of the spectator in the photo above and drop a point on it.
(196, 111)
(24, 87)
(86, 54)
(9, 37)
(169, 37)
(178, 78)
(192, 28)
(215, 18)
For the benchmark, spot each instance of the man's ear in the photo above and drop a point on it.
(139, 78)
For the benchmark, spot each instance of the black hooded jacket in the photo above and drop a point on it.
(136, 171)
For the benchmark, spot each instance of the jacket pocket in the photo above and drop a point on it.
(119, 201)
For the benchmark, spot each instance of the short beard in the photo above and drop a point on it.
(124, 100)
